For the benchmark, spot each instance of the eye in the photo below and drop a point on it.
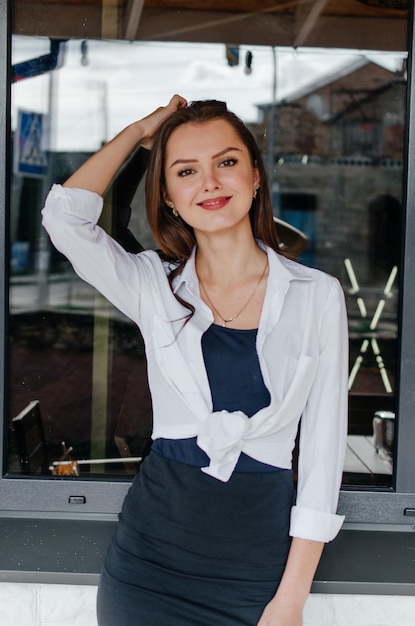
(185, 172)
(228, 162)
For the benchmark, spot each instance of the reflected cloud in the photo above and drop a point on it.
(123, 82)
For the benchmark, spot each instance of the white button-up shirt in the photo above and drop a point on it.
(302, 349)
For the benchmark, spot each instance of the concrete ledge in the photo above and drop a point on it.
(33, 604)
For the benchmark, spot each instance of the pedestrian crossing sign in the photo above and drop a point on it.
(30, 157)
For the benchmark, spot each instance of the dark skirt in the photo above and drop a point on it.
(190, 550)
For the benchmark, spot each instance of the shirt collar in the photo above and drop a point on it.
(281, 269)
(188, 275)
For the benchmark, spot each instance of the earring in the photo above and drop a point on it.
(255, 191)
(171, 205)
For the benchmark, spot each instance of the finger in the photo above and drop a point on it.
(177, 102)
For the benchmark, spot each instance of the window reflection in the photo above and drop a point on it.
(336, 167)
(338, 156)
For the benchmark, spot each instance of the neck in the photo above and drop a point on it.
(224, 259)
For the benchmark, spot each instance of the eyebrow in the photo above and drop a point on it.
(215, 156)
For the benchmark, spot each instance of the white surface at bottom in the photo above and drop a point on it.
(26, 604)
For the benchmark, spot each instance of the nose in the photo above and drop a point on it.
(210, 180)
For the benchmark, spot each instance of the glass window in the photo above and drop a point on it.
(329, 116)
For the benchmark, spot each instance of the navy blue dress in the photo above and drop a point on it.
(190, 550)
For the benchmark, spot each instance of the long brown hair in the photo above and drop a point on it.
(175, 237)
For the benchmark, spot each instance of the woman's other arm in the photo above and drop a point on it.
(97, 172)
(322, 446)
(286, 608)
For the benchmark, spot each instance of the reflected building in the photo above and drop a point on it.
(337, 176)
(337, 160)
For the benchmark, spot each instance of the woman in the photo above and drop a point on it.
(240, 342)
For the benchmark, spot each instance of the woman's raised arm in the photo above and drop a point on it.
(97, 172)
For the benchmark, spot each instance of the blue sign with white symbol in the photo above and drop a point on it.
(30, 158)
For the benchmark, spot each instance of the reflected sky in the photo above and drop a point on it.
(122, 82)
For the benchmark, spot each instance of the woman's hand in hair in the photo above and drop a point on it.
(98, 171)
(151, 123)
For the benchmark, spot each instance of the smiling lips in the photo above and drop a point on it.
(212, 204)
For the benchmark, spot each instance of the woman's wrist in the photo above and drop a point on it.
(130, 138)
(139, 133)
(295, 585)
(292, 595)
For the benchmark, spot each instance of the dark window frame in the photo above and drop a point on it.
(378, 522)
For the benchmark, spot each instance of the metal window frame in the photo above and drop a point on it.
(377, 521)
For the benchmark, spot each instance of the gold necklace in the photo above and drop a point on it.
(231, 319)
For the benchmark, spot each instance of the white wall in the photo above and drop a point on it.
(26, 604)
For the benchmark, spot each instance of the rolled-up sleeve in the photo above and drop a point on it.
(324, 429)
(70, 217)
